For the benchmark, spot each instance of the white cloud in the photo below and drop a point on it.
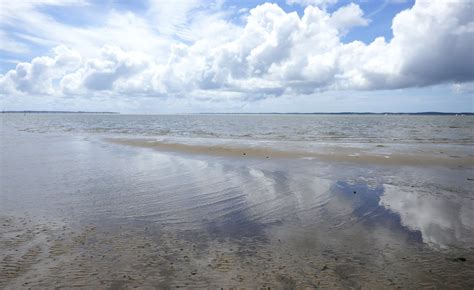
(460, 88)
(27, 20)
(347, 17)
(98, 74)
(321, 3)
(435, 41)
(172, 17)
(10, 45)
(37, 77)
(274, 53)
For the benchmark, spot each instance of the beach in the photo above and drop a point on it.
(156, 202)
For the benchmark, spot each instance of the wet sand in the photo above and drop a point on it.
(328, 153)
(40, 253)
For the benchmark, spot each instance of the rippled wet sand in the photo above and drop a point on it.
(81, 212)
(45, 254)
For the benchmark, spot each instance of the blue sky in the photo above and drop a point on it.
(153, 56)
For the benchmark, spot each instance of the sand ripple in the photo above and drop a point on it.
(41, 254)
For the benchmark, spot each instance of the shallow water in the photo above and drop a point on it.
(316, 128)
(282, 221)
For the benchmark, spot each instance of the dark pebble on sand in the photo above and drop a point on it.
(460, 259)
(244, 153)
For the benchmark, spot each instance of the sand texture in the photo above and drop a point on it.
(37, 253)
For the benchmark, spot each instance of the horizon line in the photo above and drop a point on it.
(237, 113)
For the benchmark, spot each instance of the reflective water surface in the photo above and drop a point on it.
(236, 220)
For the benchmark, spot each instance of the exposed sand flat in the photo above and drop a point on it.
(333, 153)
(40, 254)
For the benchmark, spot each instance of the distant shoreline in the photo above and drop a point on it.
(270, 113)
(55, 112)
(347, 113)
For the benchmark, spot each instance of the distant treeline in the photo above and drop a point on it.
(55, 112)
(351, 113)
(271, 113)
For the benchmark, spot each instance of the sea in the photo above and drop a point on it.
(255, 200)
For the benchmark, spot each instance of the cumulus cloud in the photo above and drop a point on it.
(347, 17)
(37, 77)
(273, 53)
(113, 65)
(434, 41)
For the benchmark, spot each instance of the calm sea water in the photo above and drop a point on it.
(351, 223)
(315, 128)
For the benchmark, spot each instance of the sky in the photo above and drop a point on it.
(190, 56)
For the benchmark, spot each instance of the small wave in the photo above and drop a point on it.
(204, 133)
